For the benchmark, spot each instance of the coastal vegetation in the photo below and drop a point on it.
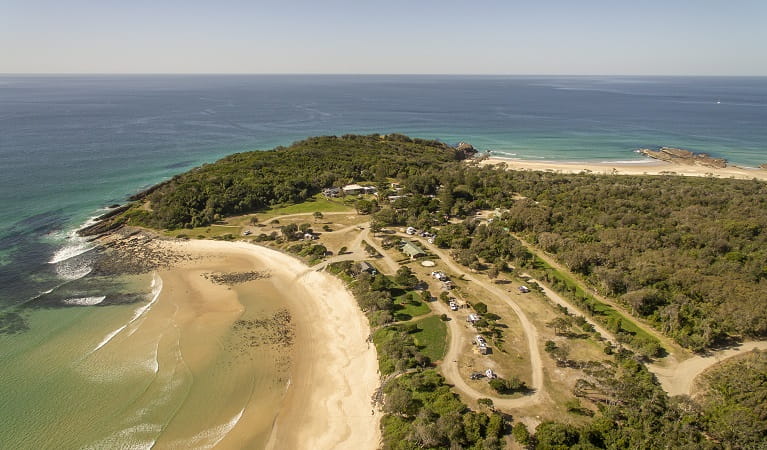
(688, 255)
(254, 181)
(421, 410)
(734, 400)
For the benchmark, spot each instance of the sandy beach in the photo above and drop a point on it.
(330, 373)
(648, 167)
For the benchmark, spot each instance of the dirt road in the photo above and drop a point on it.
(450, 364)
(678, 379)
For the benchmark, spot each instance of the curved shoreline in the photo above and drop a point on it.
(335, 372)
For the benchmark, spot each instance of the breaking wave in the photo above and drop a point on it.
(84, 301)
(70, 251)
(137, 314)
(213, 436)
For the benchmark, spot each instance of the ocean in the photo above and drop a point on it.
(72, 145)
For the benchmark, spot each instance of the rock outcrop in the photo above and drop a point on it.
(763, 166)
(106, 223)
(681, 156)
(465, 150)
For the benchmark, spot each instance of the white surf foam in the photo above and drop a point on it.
(126, 438)
(153, 363)
(84, 301)
(213, 436)
(76, 246)
(648, 162)
(71, 272)
(108, 338)
(70, 251)
(156, 289)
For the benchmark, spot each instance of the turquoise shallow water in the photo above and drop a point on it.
(72, 145)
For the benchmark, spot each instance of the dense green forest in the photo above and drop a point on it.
(734, 401)
(252, 181)
(688, 254)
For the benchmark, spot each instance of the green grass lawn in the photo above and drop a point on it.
(209, 232)
(409, 305)
(432, 337)
(316, 203)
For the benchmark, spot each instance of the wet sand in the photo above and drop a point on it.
(648, 167)
(324, 372)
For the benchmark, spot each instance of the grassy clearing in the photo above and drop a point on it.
(431, 337)
(209, 232)
(602, 311)
(409, 305)
(316, 203)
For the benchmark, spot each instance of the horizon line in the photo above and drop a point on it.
(370, 74)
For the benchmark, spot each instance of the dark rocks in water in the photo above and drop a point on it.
(681, 156)
(102, 227)
(116, 209)
(763, 166)
(12, 323)
(106, 222)
(131, 251)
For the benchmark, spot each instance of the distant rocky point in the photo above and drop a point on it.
(465, 149)
(763, 166)
(681, 156)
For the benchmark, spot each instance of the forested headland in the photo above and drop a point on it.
(687, 254)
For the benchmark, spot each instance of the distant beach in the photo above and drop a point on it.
(640, 167)
(72, 145)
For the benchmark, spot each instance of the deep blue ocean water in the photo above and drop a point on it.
(71, 145)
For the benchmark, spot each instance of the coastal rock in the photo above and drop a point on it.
(763, 166)
(131, 251)
(465, 149)
(106, 222)
(681, 156)
(101, 227)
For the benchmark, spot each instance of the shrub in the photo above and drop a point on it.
(520, 433)
(485, 402)
(504, 386)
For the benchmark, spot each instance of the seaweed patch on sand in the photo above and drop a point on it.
(231, 278)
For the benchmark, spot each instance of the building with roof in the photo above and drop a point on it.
(412, 250)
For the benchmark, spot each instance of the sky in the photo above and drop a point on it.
(573, 37)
